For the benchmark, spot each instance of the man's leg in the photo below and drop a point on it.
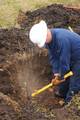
(74, 86)
(63, 88)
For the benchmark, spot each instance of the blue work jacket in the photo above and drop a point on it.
(64, 50)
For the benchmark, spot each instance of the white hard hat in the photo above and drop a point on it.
(38, 33)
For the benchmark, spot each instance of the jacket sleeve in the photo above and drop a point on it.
(65, 54)
(54, 61)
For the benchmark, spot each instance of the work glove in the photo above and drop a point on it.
(56, 80)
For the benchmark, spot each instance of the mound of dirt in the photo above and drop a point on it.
(25, 68)
(55, 16)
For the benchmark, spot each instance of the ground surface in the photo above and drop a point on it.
(9, 9)
(25, 68)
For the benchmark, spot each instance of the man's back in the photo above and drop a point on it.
(64, 36)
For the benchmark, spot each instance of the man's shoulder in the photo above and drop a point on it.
(60, 31)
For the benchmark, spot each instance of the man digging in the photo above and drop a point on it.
(64, 54)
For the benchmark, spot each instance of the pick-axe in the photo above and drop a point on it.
(57, 82)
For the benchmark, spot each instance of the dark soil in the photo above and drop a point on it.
(25, 68)
(55, 16)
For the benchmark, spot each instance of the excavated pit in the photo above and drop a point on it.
(25, 68)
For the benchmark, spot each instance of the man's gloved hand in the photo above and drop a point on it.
(56, 80)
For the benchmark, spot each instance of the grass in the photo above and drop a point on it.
(9, 8)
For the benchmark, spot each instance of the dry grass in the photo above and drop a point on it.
(9, 8)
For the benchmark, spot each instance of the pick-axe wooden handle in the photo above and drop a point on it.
(50, 85)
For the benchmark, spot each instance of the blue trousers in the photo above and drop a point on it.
(72, 85)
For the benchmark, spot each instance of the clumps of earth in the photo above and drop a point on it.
(25, 68)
